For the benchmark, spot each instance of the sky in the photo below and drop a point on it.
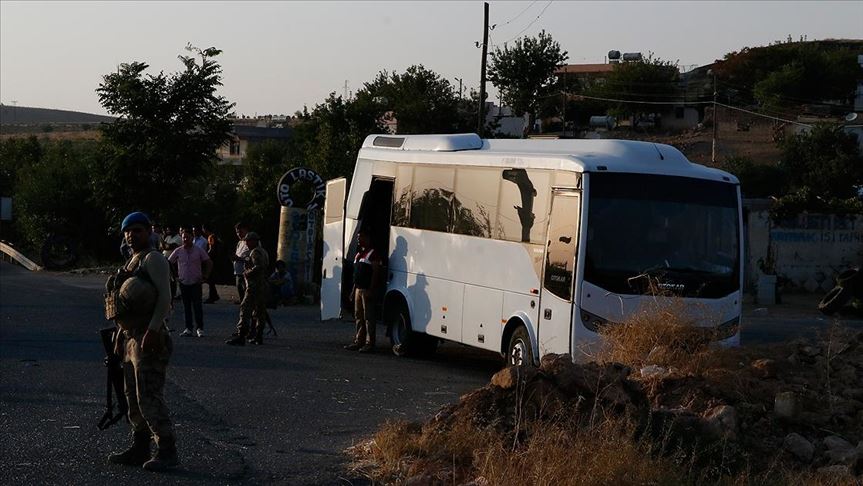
(279, 56)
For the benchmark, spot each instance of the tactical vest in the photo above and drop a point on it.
(130, 295)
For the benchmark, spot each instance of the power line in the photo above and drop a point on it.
(730, 107)
(516, 17)
(532, 22)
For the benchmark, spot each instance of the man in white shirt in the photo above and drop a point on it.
(240, 256)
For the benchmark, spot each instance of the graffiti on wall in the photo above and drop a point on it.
(810, 249)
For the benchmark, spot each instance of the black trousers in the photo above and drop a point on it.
(214, 293)
(192, 301)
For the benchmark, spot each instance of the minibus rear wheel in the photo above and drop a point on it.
(519, 351)
(402, 337)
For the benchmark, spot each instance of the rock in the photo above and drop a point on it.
(813, 419)
(606, 384)
(799, 447)
(722, 422)
(853, 393)
(653, 371)
(513, 376)
(834, 442)
(785, 405)
(847, 457)
(835, 471)
(810, 351)
(765, 368)
(542, 398)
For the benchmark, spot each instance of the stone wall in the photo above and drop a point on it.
(808, 250)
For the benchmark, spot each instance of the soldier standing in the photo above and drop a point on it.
(254, 304)
(146, 351)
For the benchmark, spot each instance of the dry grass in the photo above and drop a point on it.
(663, 332)
(555, 454)
(589, 447)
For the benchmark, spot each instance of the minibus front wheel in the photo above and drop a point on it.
(519, 351)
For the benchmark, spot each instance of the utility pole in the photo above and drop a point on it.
(346, 90)
(715, 122)
(460, 91)
(480, 122)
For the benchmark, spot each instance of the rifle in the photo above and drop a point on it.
(114, 381)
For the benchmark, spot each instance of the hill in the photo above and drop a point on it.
(25, 115)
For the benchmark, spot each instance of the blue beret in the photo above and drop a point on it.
(135, 218)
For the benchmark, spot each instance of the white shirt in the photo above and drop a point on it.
(241, 252)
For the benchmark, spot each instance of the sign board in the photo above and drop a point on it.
(297, 174)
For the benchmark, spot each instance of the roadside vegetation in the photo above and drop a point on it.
(158, 155)
(657, 405)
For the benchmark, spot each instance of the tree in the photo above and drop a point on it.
(265, 164)
(824, 172)
(329, 138)
(52, 196)
(650, 79)
(420, 100)
(790, 74)
(167, 132)
(524, 73)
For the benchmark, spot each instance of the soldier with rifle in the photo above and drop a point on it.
(138, 300)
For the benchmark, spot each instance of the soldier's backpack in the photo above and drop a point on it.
(129, 291)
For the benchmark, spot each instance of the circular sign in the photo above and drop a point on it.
(301, 174)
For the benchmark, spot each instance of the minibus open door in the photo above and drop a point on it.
(334, 238)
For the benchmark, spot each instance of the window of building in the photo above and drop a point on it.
(235, 147)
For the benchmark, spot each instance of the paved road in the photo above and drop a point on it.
(281, 413)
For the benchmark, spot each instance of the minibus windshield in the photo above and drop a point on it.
(678, 233)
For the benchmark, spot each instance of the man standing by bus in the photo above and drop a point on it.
(367, 270)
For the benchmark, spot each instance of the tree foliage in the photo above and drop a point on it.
(329, 137)
(650, 79)
(167, 133)
(420, 100)
(823, 172)
(791, 74)
(524, 73)
(50, 191)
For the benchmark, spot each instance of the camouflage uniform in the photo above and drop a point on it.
(144, 372)
(254, 304)
(144, 375)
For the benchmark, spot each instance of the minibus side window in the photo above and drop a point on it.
(432, 198)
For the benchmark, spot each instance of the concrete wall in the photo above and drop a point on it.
(809, 250)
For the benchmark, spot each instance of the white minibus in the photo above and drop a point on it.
(528, 247)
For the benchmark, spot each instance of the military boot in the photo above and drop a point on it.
(165, 457)
(137, 454)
